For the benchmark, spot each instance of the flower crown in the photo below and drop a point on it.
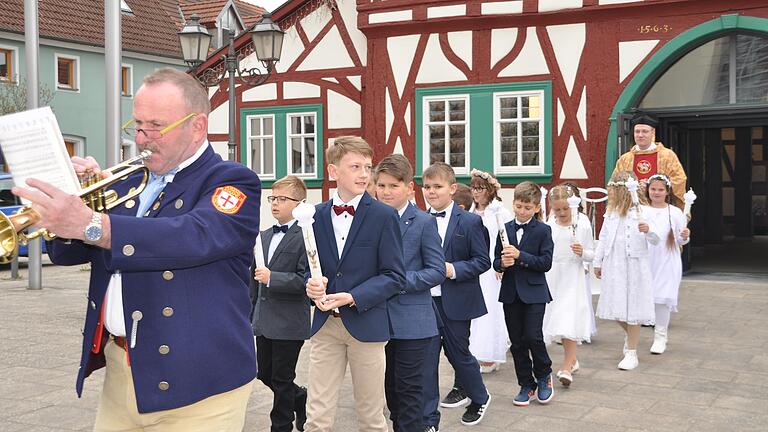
(617, 183)
(661, 177)
(487, 177)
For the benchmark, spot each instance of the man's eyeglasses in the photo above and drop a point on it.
(154, 134)
(281, 199)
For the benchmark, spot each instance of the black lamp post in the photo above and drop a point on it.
(267, 39)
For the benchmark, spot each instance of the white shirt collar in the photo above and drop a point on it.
(289, 223)
(188, 162)
(517, 221)
(448, 210)
(651, 147)
(401, 212)
(353, 202)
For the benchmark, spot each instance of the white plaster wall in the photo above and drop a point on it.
(502, 41)
(435, 67)
(263, 92)
(505, 7)
(573, 167)
(530, 61)
(461, 44)
(609, 2)
(292, 48)
(298, 90)
(385, 17)
(329, 53)
(560, 116)
(568, 43)
(446, 11)
(401, 51)
(631, 54)
(221, 148)
(581, 113)
(348, 10)
(315, 21)
(218, 119)
(554, 5)
(343, 112)
(355, 80)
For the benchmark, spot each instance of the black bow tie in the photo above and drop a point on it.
(522, 226)
(438, 214)
(339, 209)
(279, 229)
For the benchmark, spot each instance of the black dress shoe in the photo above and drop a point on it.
(300, 407)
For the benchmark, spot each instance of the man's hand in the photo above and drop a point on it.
(262, 274)
(508, 257)
(643, 227)
(316, 289)
(85, 167)
(335, 301)
(450, 272)
(598, 272)
(577, 248)
(61, 213)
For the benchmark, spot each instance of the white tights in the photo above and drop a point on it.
(662, 316)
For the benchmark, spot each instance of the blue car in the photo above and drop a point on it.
(10, 203)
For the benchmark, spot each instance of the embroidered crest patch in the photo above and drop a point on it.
(228, 199)
(643, 167)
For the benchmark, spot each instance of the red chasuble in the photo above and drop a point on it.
(645, 165)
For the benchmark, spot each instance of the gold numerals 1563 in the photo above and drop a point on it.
(659, 28)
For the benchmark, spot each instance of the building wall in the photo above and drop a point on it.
(82, 113)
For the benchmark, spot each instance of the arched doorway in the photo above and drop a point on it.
(709, 89)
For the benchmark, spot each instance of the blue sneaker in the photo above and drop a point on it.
(545, 391)
(525, 396)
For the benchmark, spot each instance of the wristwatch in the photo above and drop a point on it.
(93, 231)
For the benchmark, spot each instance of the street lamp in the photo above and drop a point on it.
(267, 39)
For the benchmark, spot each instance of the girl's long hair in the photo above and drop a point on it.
(621, 200)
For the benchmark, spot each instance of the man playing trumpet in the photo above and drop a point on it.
(168, 307)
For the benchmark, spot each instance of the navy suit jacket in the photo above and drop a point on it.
(185, 268)
(526, 278)
(411, 315)
(465, 246)
(370, 268)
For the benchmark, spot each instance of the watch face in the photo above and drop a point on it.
(93, 233)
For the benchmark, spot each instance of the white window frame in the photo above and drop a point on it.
(130, 80)
(249, 147)
(520, 169)
(426, 147)
(79, 144)
(14, 64)
(288, 144)
(76, 59)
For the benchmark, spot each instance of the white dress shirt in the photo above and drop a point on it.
(343, 222)
(114, 317)
(442, 227)
(520, 231)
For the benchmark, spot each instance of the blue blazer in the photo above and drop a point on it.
(526, 278)
(185, 268)
(411, 315)
(370, 268)
(465, 246)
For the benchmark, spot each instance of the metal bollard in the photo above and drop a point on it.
(15, 269)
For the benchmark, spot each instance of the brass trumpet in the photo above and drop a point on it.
(94, 194)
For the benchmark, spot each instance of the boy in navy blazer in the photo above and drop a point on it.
(281, 307)
(361, 255)
(411, 316)
(458, 299)
(525, 293)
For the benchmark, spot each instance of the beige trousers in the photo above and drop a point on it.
(332, 347)
(223, 412)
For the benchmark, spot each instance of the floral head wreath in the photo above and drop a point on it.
(617, 183)
(661, 177)
(487, 177)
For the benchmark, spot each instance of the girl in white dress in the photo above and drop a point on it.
(569, 316)
(622, 264)
(488, 334)
(667, 267)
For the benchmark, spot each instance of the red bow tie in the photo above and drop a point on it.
(339, 209)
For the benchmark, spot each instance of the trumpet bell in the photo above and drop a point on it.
(9, 240)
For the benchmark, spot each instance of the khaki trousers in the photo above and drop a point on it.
(332, 347)
(223, 412)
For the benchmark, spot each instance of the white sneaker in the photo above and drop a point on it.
(629, 361)
(575, 367)
(490, 368)
(659, 341)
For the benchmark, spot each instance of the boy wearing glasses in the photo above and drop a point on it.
(281, 306)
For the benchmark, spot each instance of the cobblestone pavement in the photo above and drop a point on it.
(714, 376)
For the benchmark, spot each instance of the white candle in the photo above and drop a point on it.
(258, 253)
(689, 197)
(304, 214)
(632, 186)
(573, 203)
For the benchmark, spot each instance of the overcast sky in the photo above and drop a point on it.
(269, 5)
